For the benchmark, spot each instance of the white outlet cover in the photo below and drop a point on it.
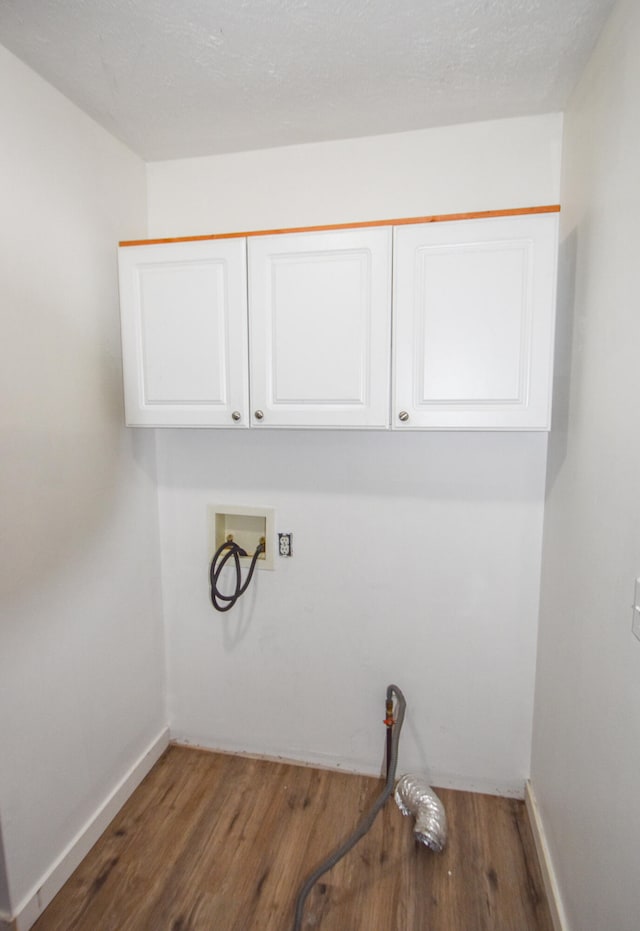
(635, 624)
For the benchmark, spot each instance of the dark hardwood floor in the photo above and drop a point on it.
(213, 842)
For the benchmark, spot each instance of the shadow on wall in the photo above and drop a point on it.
(63, 444)
(439, 466)
(5, 905)
(563, 358)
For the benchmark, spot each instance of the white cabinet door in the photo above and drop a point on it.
(474, 323)
(320, 329)
(184, 333)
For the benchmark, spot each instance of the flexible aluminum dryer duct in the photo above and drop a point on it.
(414, 796)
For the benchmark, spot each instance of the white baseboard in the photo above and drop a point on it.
(438, 779)
(558, 914)
(6, 924)
(35, 903)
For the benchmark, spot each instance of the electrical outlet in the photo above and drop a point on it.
(635, 624)
(285, 544)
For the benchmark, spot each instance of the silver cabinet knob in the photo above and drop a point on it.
(258, 415)
(236, 416)
(403, 416)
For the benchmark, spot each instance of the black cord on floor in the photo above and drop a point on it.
(230, 550)
(369, 818)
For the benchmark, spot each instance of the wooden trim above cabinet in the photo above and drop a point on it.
(402, 221)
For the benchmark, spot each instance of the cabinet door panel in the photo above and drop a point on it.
(320, 328)
(473, 310)
(184, 333)
(474, 313)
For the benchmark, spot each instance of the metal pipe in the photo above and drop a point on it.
(389, 721)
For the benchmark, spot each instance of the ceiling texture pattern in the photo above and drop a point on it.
(179, 78)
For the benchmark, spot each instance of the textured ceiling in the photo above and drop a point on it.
(175, 78)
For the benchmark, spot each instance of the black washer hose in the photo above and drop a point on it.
(369, 818)
(225, 602)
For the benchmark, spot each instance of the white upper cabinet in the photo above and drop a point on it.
(474, 309)
(184, 333)
(320, 328)
(295, 329)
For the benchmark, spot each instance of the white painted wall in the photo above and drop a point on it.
(5, 903)
(586, 748)
(477, 166)
(81, 662)
(417, 557)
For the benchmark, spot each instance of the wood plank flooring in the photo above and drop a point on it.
(213, 842)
